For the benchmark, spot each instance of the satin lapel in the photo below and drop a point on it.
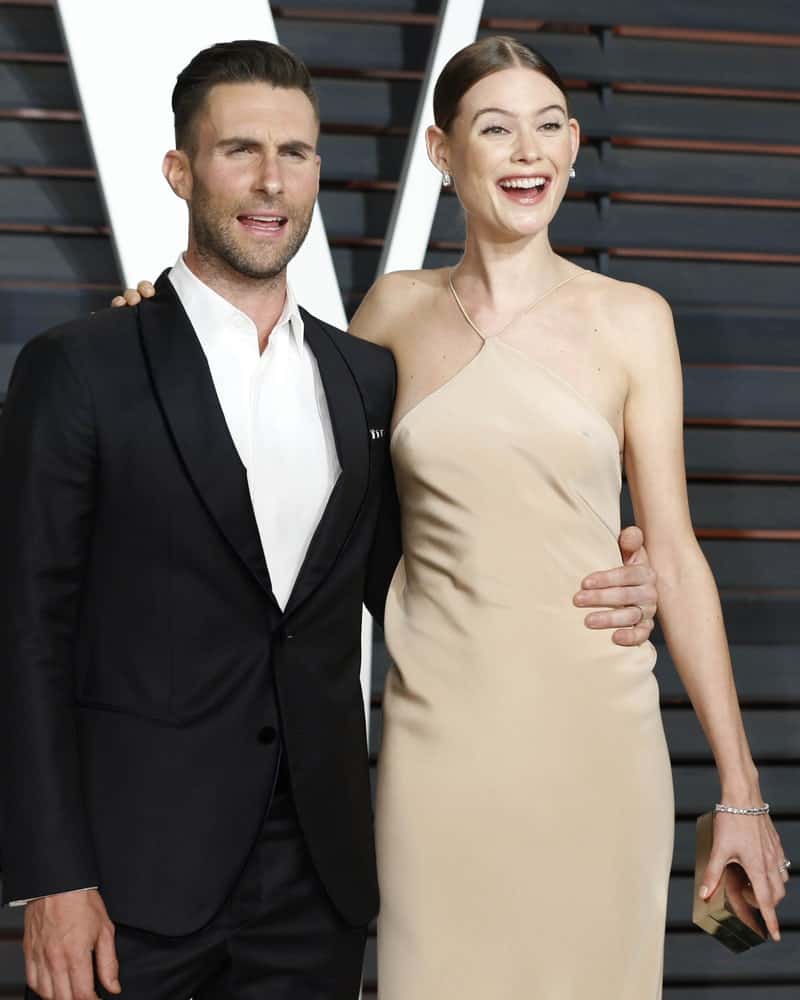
(351, 435)
(185, 390)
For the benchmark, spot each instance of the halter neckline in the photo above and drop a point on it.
(519, 315)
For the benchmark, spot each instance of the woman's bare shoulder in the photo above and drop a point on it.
(392, 302)
(621, 297)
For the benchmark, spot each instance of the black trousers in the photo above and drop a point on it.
(277, 937)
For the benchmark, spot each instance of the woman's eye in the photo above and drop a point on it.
(551, 126)
(494, 130)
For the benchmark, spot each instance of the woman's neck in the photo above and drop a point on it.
(500, 276)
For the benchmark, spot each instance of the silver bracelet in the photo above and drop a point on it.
(752, 811)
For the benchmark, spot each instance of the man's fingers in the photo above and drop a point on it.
(634, 636)
(618, 598)
(131, 297)
(117, 301)
(38, 978)
(44, 985)
(62, 989)
(105, 954)
(81, 974)
(146, 289)
(621, 576)
(616, 618)
(631, 541)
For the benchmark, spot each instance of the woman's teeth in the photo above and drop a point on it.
(524, 183)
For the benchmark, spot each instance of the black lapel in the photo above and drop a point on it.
(351, 433)
(183, 385)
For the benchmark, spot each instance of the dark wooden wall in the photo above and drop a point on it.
(688, 181)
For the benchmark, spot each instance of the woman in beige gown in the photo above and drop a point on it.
(525, 807)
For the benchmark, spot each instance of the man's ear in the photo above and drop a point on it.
(178, 172)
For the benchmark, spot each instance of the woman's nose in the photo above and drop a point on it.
(526, 148)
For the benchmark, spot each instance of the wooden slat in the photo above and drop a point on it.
(707, 146)
(759, 38)
(777, 16)
(743, 477)
(689, 90)
(743, 422)
(19, 56)
(40, 114)
(345, 15)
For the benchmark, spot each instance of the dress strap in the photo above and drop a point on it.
(460, 305)
(527, 309)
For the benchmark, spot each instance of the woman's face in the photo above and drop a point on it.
(509, 150)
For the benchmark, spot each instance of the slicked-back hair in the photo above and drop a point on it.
(479, 60)
(248, 61)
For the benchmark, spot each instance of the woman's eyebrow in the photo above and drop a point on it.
(496, 111)
(511, 114)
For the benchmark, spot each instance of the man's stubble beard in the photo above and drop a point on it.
(216, 244)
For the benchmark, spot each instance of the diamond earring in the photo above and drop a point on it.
(447, 180)
(572, 172)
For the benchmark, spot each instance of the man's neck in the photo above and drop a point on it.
(263, 300)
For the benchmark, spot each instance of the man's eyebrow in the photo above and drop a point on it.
(511, 114)
(238, 140)
(300, 144)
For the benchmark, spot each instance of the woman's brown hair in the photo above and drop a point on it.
(473, 63)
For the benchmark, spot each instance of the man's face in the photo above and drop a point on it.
(254, 176)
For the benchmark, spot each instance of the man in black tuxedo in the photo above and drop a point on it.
(189, 524)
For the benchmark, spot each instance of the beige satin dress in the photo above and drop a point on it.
(525, 808)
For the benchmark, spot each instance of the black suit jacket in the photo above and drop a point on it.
(150, 681)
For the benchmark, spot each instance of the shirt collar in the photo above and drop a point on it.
(209, 311)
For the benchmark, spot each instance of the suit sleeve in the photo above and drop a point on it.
(48, 468)
(386, 546)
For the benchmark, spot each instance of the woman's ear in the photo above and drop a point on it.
(178, 172)
(575, 137)
(437, 143)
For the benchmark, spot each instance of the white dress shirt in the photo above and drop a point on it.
(277, 414)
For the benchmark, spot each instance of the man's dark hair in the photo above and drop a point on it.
(249, 61)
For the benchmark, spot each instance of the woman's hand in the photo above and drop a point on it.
(753, 843)
(132, 297)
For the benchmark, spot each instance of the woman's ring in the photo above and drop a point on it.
(787, 864)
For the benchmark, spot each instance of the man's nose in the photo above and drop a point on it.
(271, 180)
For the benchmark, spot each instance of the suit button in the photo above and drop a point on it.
(267, 735)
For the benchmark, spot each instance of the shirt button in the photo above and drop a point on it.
(267, 735)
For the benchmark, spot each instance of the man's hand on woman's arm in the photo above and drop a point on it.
(629, 591)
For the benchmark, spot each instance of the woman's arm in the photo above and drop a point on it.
(689, 605)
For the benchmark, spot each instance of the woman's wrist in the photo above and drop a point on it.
(739, 785)
(741, 790)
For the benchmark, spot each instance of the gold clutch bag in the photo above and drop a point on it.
(730, 915)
